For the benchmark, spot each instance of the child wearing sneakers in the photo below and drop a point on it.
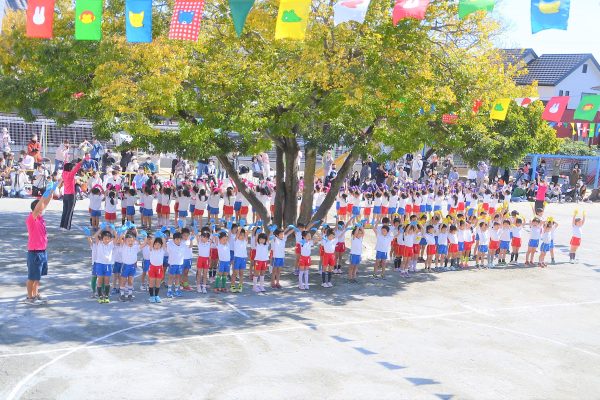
(240, 258)
(105, 246)
(382, 247)
(156, 271)
(129, 255)
(576, 237)
(176, 253)
(145, 267)
(203, 262)
(328, 259)
(356, 248)
(188, 242)
(534, 240)
(306, 246)
(223, 268)
(261, 260)
(278, 247)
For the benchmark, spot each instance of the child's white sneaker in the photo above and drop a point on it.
(301, 287)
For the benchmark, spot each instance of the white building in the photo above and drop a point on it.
(571, 75)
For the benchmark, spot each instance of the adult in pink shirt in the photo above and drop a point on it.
(68, 178)
(37, 240)
(540, 195)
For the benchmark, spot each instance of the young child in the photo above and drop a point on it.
(546, 239)
(356, 248)
(110, 207)
(306, 245)
(185, 199)
(505, 236)
(145, 266)
(117, 266)
(484, 242)
(328, 259)
(431, 247)
(240, 254)
(534, 240)
(95, 206)
(382, 248)
(188, 242)
(147, 213)
(129, 254)
(156, 271)
(442, 247)
(576, 238)
(222, 243)
(93, 246)
(203, 262)
(105, 245)
(176, 253)
(200, 206)
(453, 252)
(130, 199)
(517, 231)
(261, 263)
(494, 243)
(278, 248)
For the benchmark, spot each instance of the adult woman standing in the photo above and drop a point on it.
(68, 178)
(574, 176)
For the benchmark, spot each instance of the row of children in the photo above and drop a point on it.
(222, 254)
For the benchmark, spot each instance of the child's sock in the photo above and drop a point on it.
(446, 262)
(122, 291)
(100, 290)
(106, 290)
(130, 290)
(329, 277)
(93, 283)
(324, 276)
(151, 291)
(306, 278)
(217, 282)
(223, 281)
(300, 277)
(156, 289)
(262, 280)
(516, 257)
(254, 281)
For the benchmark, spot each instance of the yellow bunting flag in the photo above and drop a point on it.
(292, 19)
(500, 109)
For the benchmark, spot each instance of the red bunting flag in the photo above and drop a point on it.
(40, 17)
(185, 23)
(409, 9)
(477, 105)
(555, 108)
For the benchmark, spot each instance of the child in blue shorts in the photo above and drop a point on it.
(222, 243)
(356, 247)
(176, 251)
(105, 245)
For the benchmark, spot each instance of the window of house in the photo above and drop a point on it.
(567, 93)
(560, 93)
(584, 68)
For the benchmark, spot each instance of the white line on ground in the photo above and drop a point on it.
(237, 310)
(477, 310)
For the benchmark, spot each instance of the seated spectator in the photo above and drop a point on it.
(149, 166)
(453, 175)
(89, 164)
(40, 179)
(18, 179)
(27, 161)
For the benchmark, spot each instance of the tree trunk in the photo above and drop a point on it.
(291, 182)
(280, 195)
(310, 166)
(343, 173)
(243, 188)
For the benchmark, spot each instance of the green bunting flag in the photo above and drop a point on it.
(588, 107)
(239, 12)
(466, 7)
(88, 20)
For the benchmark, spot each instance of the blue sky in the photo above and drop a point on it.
(583, 35)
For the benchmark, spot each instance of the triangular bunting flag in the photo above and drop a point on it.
(593, 129)
(525, 101)
(588, 107)
(239, 13)
(573, 131)
(185, 23)
(350, 10)
(292, 19)
(449, 119)
(138, 21)
(477, 105)
(585, 129)
(466, 7)
(555, 108)
(549, 14)
(597, 130)
(88, 20)
(409, 9)
(40, 17)
(500, 109)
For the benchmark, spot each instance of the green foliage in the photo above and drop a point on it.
(574, 148)
(326, 90)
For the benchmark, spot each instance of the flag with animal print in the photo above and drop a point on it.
(88, 20)
(40, 19)
(185, 23)
(292, 19)
(138, 21)
(350, 10)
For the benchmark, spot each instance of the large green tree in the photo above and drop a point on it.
(356, 85)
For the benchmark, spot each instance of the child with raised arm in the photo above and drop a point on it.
(278, 247)
(188, 241)
(546, 239)
(306, 245)
(382, 248)
(575, 242)
(105, 245)
(203, 262)
(356, 248)
(156, 271)
(129, 255)
(240, 258)
(176, 253)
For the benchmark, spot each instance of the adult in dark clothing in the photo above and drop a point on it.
(126, 156)
(355, 180)
(68, 180)
(365, 171)
(380, 176)
(108, 160)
